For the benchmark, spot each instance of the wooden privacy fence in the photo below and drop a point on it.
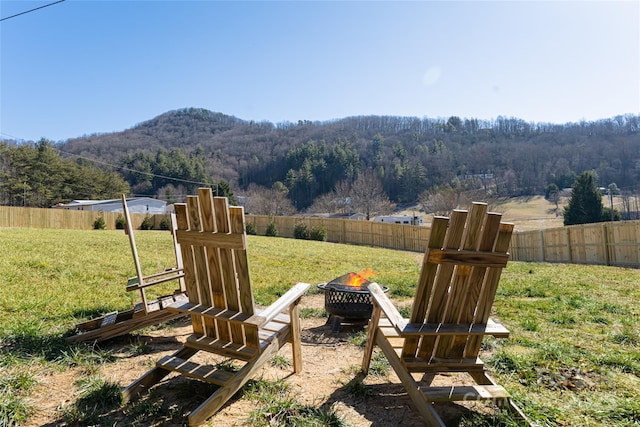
(66, 218)
(352, 232)
(607, 243)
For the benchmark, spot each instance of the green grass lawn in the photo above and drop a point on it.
(573, 357)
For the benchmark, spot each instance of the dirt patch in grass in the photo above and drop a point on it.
(330, 379)
(574, 379)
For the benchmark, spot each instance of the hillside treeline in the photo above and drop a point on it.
(37, 176)
(170, 175)
(505, 157)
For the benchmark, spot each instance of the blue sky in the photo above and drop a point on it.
(81, 67)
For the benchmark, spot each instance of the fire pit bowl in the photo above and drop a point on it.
(347, 303)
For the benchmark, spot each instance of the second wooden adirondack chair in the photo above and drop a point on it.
(144, 313)
(224, 321)
(462, 264)
(141, 282)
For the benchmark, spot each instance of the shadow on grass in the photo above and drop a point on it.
(385, 404)
(171, 401)
(154, 408)
(323, 335)
(26, 343)
(168, 403)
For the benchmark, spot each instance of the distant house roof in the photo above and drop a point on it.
(88, 202)
(146, 205)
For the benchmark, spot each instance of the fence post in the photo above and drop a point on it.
(569, 245)
(343, 237)
(605, 241)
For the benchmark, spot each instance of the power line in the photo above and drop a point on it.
(32, 10)
(123, 167)
(15, 138)
(133, 170)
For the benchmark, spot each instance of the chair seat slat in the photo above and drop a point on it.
(464, 393)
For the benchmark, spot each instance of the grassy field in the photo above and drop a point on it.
(527, 212)
(573, 357)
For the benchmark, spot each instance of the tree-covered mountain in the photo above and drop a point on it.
(506, 156)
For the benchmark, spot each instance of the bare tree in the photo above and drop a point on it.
(553, 195)
(342, 192)
(368, 196)
(337, 201)
(269, 201)
(439, 201)
(325, 203)
(442, 200)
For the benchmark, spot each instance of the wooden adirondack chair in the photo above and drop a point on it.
(214, 251)
(141, 282)
(145, 313)
(450, 313)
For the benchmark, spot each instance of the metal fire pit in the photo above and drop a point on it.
(346, 303)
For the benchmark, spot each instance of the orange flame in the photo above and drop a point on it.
(355, 279)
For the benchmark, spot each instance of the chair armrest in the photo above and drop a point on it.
(382, 300)
(155, 279)
(290, 297)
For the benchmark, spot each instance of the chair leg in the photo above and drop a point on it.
(296, 346)
(152, 377)
(199, 415)
(371, 338)
(482, 378)
(336, 322)
(426, 409)
(428, 378)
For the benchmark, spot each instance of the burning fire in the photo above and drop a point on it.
(355, 279)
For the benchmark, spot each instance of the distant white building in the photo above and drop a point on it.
(143, 205)
(400, 219)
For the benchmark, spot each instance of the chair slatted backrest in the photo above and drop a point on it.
(461, 269)
(134, 250)
(213, 243)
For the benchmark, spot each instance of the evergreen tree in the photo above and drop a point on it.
(585, 205)
(37, 176)
(223, 189)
